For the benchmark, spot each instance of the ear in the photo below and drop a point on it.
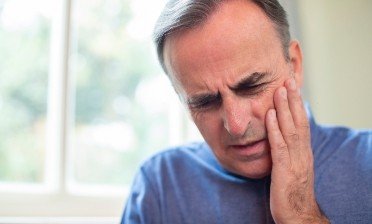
(295, 60)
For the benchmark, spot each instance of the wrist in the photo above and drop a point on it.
(317, 217)
(309, 215)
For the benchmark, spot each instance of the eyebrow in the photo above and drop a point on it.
(249, 81)
(246, 82)
(202, 98)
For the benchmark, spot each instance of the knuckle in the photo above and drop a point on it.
(302, 173)
(293, 137)
(280, 153)
(304, 125)
(303, 177)
(281, 157)
(282, 146)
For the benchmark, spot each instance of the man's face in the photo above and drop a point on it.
(226, 71)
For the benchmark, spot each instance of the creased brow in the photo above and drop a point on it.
(202, 98)
(249, 81)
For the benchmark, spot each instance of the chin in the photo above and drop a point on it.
(257, 169)
(258, 175)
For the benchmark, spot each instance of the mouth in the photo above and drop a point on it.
(250, 148)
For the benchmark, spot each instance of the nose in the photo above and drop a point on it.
(236, 116)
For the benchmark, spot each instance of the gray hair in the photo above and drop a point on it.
(180, 15)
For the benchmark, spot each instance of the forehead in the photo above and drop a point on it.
(237, 38)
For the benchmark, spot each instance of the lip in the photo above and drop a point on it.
(250, 149)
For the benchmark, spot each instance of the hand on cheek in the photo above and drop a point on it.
(292, 197)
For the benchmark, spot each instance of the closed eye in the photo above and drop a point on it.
(205, 102)
(251, 89)
(252, 84)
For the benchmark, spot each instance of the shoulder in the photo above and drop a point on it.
(342, 156)
(158, 181)
(177, 152)
(331, 138)
(343, 172)
(343, 153)
(165, 167)
(176, 158)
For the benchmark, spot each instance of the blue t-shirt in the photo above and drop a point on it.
(187, 185)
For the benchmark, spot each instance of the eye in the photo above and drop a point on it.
(251, 90)
(205, 104)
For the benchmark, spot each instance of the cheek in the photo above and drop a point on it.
(262, 104)
(208, 125)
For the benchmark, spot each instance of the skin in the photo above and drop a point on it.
(243, 96)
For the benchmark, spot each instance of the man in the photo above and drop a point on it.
(265, 160)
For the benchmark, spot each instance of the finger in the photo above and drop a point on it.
(279, 149)
(298, 110)
(286, 123)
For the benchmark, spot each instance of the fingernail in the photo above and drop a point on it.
(292, 84)
(272, 114)
(283, 92)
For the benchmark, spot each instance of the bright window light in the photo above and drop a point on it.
(25, 30)
(83, 102)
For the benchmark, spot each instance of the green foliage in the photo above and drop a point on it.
(111, 64)
(23, 96)
(107, 64)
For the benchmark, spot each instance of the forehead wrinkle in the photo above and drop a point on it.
(220, 58)
(206, 87)
(248, 79)
(219, 49)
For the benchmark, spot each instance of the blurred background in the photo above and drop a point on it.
(83, 100)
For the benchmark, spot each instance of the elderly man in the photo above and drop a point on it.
(264, 158)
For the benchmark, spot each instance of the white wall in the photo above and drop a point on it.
(336, 37)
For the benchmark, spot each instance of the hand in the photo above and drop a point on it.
(292, 196)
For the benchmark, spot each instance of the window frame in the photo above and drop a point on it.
(54, 197)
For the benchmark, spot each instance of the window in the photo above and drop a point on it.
(24, 59)
(82, 101)
(121, 96)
